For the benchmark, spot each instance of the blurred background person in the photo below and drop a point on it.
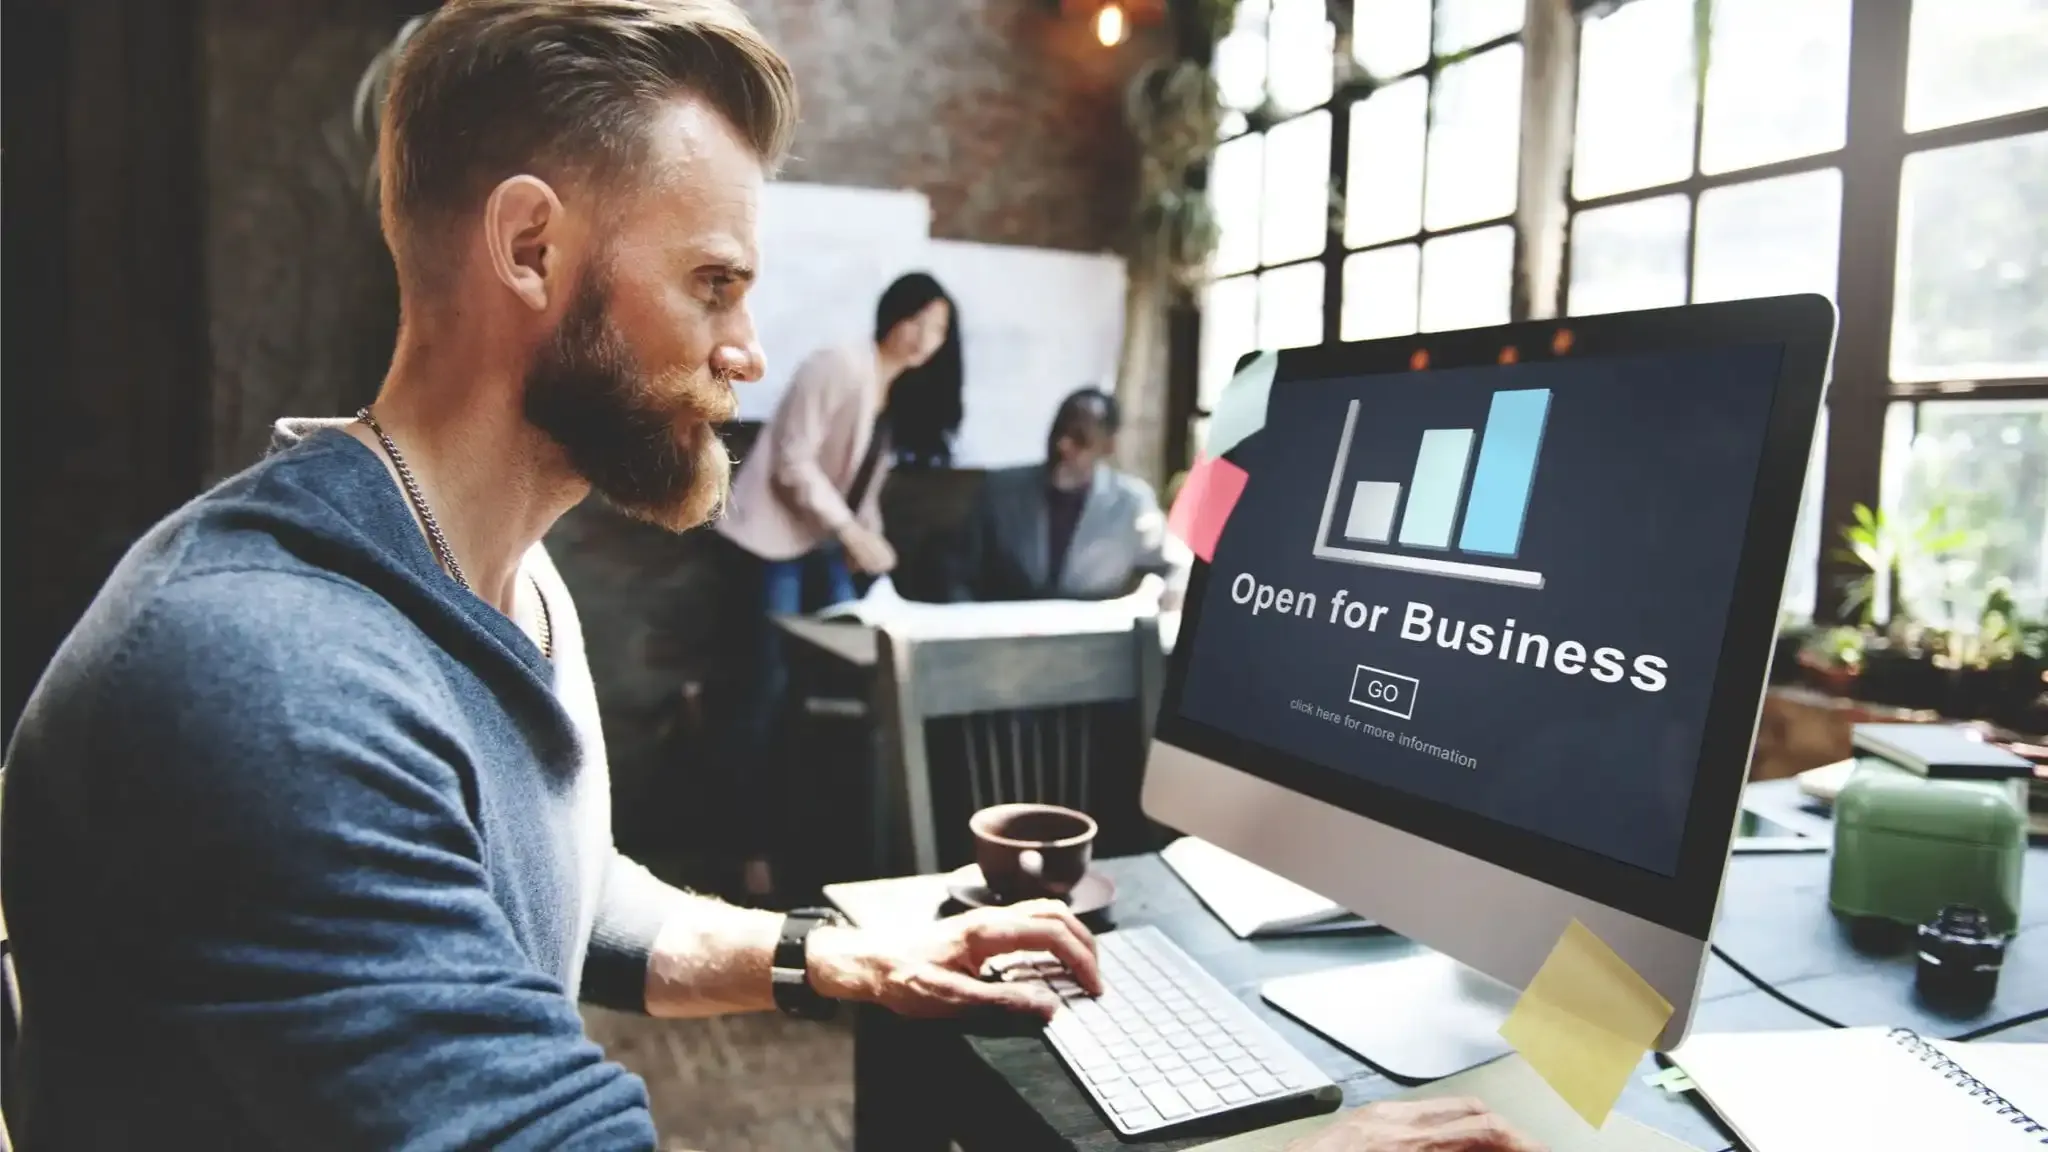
(806, 503)
(1071, 528)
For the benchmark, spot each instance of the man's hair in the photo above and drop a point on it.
(563, 89)
(1082, 409)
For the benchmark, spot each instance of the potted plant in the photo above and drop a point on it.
(1898, 665)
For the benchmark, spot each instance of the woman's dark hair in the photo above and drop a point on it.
(924, 406)
(1083, 408)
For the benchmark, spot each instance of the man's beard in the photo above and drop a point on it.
(647, 444)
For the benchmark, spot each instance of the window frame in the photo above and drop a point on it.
(1871, 161)
(1350, 85)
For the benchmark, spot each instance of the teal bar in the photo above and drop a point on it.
(1434, 490)
(1505, 473)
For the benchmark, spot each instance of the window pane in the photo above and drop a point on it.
(1777, 82)
(1390, 37)
(1630, 256)
(1295, 213)
(1384, 185)
(1475, 139)
(1230, 311)
(1240, 60)
(1379, 293)
(1980, 466)
(1462, 24)
(1969, 61)
(1801, 574)
(1972, 298)
(1636, 99)
(1466, 277)
(1234, 176)
(1302, 61)
(1769, 238)
(1291, 307)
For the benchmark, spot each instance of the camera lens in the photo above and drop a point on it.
(1959, 959)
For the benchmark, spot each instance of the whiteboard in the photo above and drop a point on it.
(827, 252)
(1037, 324)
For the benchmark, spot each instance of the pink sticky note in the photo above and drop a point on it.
(1206, 499)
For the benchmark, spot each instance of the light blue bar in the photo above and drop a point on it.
(1372, 511)
(1505, 473)
(1434, 490)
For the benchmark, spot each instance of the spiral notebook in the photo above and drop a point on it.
(1871, 1089)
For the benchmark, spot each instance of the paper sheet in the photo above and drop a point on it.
(883, 607)
(1207, 497)
(1241, 410)
(1585, 1022)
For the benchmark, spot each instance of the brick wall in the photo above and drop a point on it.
(1005, 115)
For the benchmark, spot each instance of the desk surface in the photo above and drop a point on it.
(1774, 920)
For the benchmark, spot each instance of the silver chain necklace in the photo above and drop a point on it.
(444, 554)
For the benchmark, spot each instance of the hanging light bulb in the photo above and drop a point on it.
(1110, 25)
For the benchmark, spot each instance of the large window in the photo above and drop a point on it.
(1889, 154)
(1366, 186)
(1683, 191)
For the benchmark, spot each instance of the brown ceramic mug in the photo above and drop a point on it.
(1027, 851)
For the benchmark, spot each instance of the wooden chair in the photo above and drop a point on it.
(970, 722)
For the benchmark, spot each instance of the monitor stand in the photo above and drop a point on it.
(1417, 1019)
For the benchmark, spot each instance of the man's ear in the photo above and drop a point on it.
(523, 226)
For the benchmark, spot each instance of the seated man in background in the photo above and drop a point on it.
(1072, 528)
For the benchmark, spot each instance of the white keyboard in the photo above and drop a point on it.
(1167, 1045)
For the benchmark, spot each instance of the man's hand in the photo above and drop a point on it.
(1452, 1124)
(934, 971)
(867, 550)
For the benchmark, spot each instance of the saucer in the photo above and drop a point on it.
(1091, 896)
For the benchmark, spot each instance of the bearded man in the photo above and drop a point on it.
(307, 837)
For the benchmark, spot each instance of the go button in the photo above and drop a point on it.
(1384, 691)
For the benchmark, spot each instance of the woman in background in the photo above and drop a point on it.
(807, 501)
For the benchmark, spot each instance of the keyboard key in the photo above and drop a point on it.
(1205, 1067)
(1168, 1101)
(1124, 1099)
(1235, 1094)
(1139, 1119)
(1184, 1077)
(1229, 1053)
(1121, 1051)
(1148, 1078)
(1293, 1080)
(1219, 1080)
(1108, 1079)
(1244, 1066)
(1132, 1065)
(1170, 1064)
(1201, 1098)
(1263, 1085)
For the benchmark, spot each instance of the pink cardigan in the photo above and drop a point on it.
(790, 494)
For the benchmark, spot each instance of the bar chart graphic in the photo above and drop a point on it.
(1492, 491)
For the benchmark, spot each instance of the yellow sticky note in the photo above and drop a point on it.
(1585, 1022)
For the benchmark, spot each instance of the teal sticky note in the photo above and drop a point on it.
(1241, 410)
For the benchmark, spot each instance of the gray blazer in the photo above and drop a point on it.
(1004, 553)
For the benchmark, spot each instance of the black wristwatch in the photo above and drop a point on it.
(790, 971)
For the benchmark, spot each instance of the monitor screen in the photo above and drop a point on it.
(1501, 589)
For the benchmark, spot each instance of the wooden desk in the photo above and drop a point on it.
(920, 1084)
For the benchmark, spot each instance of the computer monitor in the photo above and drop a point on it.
(1482, 647)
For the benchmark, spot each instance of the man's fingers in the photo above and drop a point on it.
(1024, 997)
(998, 934)
(1484, 1132)
(1434, 1109)
(1089, 977)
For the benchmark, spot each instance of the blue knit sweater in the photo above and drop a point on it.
(307, 847)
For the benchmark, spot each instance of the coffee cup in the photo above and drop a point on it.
(1028, 851)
